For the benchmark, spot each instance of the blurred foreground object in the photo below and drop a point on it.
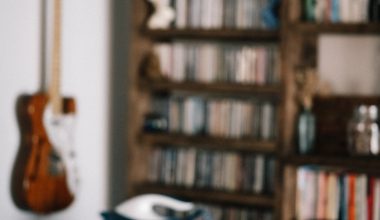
(145, 207)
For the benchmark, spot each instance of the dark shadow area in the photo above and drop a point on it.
(120, 12)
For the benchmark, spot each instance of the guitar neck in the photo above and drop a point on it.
(54, 87)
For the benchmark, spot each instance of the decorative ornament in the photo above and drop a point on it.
(307, 84)
(151, 67)
(163, 14)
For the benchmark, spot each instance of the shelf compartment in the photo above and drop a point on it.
(214, 34)
(214, 87)
(333, 114)
(212, 143)
(348, 163)
(339, 28)
(206, 195)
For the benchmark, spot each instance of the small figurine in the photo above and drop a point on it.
(151, 67)
(163, 14)
(307, 84)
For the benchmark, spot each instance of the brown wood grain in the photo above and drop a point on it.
(138, 101)
(225, 89)
(33, 187)
(213, 196)
(340, 163)
(342, 28)
(220, 34)
(212, 143)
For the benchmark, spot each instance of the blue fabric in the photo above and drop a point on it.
(113, 216)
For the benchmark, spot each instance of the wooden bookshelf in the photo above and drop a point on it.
(298, 43)
(229, 89)
(338, 28)
(214, 34)
(332, 113)
(212, 196)
(140, 92)
(349, 163)
(212, 143)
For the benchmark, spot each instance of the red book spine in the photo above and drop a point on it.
(370, 197)
(351, 197)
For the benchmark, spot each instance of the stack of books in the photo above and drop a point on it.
(217, 62)
(230, 118)
(333, 195)
(344, 11)
(204, 169)
(217, 14)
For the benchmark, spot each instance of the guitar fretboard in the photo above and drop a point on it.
(54, 87)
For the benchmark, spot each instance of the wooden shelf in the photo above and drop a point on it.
(351, 163)
(219, 34)
(216, 143)
(313, 28)
(206, 195)
(215, 87)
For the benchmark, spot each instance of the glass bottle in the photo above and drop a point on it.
(374, 128)
(363, 131)
(306, 131)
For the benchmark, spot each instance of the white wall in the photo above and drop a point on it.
(85, 76)
(350, 63)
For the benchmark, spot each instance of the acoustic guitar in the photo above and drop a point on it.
(44, 177)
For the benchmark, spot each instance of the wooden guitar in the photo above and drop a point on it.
(44, 177)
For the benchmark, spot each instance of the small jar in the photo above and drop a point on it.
(363, 131)
(155, 122)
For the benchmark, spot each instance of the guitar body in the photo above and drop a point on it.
(39, 178)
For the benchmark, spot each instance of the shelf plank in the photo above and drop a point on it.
(371, 28)
(333, 113)
(206, 195)
(216, 143)
(220, 34)
(350, 163)
(215, 87)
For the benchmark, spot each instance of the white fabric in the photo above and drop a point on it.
(141, 207)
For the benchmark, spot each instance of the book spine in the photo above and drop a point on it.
(181, 14)
(211, 62)
(376, 204)
(330, 195)
(226, 171)
(370, 197)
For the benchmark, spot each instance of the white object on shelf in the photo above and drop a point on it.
(163, 14)
(141, 207)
